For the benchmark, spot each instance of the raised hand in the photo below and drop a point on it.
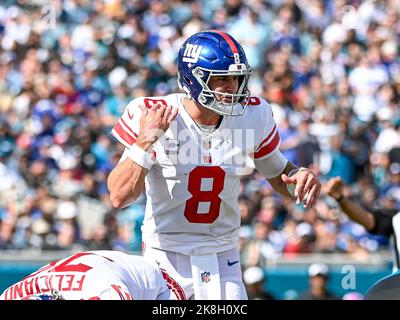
(154, 122)
(334, 187)
(307, 186)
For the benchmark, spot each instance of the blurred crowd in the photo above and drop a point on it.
(330, 69)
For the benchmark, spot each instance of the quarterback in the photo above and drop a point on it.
(188, 151)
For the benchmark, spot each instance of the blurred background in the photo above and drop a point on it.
(329, 68)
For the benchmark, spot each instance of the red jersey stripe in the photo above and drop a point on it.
(129, 128)
(267, 138)
(121, 133)
(116, 288)
(173, 285)
(268, 148)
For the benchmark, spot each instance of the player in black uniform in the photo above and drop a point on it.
(381, 222)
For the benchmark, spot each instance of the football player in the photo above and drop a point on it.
(96, 275)
(188, 151)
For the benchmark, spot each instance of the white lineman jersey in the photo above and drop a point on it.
(95, 275)
(193, 186)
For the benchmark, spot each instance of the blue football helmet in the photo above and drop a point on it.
(213, 53)
(52, 295)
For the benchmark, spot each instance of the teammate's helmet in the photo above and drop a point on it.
(52, 295)
(213, 53)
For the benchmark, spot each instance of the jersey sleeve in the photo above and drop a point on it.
(115, 292)
(383, 223)
(268, 135)
(127, 128)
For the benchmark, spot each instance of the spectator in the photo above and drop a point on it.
(255, 282)
(318, 281)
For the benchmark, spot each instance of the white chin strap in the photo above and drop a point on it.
(228, 109)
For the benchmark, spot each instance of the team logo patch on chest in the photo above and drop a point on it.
(171, 146)
(207, 159)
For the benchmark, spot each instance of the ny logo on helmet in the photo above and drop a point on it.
(192, 53)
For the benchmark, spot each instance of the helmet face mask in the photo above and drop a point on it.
(208, 54)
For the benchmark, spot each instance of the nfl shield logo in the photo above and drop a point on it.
(205, 277)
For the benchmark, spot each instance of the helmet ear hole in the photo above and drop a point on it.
(202, 98)
(188, 80)
(199, 73)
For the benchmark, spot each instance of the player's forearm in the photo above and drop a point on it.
(277, 183)
(357, 213)
(126, 183)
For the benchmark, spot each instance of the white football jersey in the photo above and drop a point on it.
(94, 275)
(193, 187)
